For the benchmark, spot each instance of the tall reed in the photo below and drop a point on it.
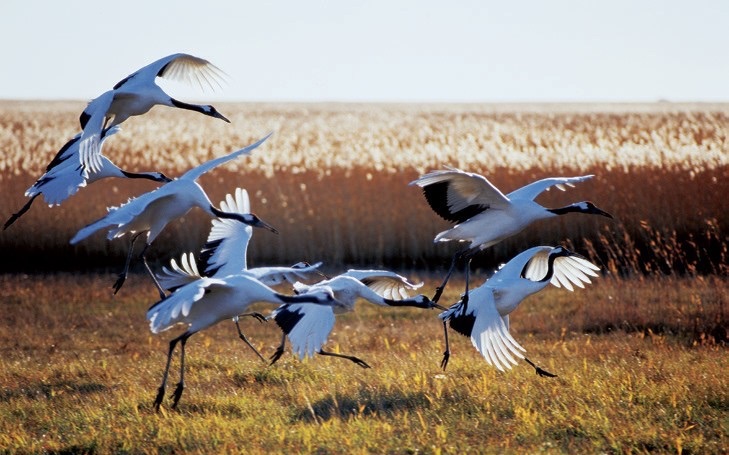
(333, 180)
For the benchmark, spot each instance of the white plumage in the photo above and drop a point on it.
(308, 326)
(65, 175)
(152, 211)
(225, 253)
(137, 93)
(484, 317)
(484, 216)
(207, 301)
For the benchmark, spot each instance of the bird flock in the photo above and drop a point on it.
(216, 284)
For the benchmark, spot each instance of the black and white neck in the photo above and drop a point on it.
(580, 207)
(553, 255)
(155, 176)
(201, 108)
(245, 218)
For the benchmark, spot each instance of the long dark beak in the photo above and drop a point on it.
(598, 211)
(262, 224)
(249, 219)
(217, 114)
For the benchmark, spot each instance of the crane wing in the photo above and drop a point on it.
(489, 332)
(307, 326)
(119, 216)
(456, 195)
(176, 306)
(386, 284)
(195, 173)
(64, 174)
(568, 270)
(274, 276)
(531, 191)
(226, 248)
(176, 275)
(180, 67)
(192, 70)
(92, 121)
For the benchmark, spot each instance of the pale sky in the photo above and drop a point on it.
(392, 51)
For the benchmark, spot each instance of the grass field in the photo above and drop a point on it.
(79, 375)
(640, 354)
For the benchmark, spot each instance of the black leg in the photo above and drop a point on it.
(439, 289)
(180, 385)
(465, 253)
(20, 212)
(279, 350)
(259, 316)
(539, 371)
(354, 359)
(447, 353)
(464, 298)
(245, 340)
(123, 275)
(161, 390)
(161, 291)
(413, 302)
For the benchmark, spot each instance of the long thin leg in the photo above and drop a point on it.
(180, 385)
(427, 305)
(161, 390)
(439, 289)
(123, 275)
(539, 371)
(20, 212)
(279, 350)
(464, 305)
(162, 294)
(447, 353)
(465, 253)
(464, 298)
(243, 337)
(354, 359)
(259, 316)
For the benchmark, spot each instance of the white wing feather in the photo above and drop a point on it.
(226, 247)
(89, 146)
(386, 284)
(490, 336)
(534, 189)
(465, 189)
(179, 275)
(274, 276)
(169, 311)
(310, 332)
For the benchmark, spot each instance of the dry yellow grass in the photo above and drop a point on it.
(79, 371)
(640, 354)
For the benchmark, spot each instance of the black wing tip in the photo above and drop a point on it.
(462, 323)
(436, 194)
(287, 319)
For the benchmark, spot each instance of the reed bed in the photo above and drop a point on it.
(334, 180)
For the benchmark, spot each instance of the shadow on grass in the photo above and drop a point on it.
(49, 390)
(705, 333)
(364, 403)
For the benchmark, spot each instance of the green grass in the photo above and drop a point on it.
(79, 370)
